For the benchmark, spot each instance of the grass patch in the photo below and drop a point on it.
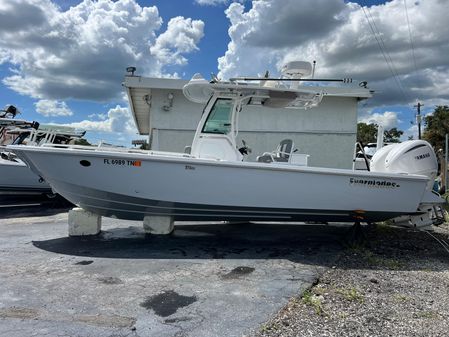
(351, 294)
(314, 301)
(375, 260)
(269, 327)
(401, 298)
(384, 226)
(427, 314)
(318, 290)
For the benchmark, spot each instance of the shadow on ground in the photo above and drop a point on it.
(310, 244)
(381, 247)
(394, 248)
(16, 205)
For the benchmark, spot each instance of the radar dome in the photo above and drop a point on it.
(297, 69)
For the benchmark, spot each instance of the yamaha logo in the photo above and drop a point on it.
(422, 156)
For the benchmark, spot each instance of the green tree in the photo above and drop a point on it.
(436, 127)
(82, 141)
(393, 135)
(366, 133)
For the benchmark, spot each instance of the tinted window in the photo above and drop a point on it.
(219, 119)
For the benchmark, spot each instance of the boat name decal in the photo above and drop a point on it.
(190, 167)
(422, 156)
(373, 183)
(122, 162)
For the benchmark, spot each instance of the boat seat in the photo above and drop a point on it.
(281, 154)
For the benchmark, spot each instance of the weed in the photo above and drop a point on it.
(392, 264)
(376, 260)
(319, 290)
(427, 314)
(401, 298)
(351, 294)
(384, 227)
(267, 327)
(343, 315)
(310, 299)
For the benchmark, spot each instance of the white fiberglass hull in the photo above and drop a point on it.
(132, 185)
(16, 177)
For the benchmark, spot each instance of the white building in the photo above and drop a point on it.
(326, 132)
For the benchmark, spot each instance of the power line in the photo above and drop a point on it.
(396, 74)
(410, 35)
(384, 51)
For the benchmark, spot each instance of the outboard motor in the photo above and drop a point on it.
(412, 157)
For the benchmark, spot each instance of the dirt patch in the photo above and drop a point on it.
(21, 313)
(84, 263)
(393, 284)
(110, 280)
(106, 320)
(237, 272)
(167, 303)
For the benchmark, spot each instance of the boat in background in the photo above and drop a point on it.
(15, 175)
(213, 181)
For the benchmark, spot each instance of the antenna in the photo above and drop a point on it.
(313, 69)
(130, 70)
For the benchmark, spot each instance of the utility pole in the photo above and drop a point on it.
(418, 118)
(445, 163)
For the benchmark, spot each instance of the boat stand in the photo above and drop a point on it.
(160, 225)
(355, 235)
(82, 222)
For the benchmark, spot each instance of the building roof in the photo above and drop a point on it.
(139, 88)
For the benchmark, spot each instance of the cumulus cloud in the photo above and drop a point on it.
(388, 119)
(118, 120)
(50, 108)
(411, 132)
(337, 35)
(182, 36)
(83, 52)
(216, 2)
(211, 2)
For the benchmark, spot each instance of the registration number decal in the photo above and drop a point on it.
(122, 162)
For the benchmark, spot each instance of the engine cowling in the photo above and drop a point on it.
(412, 157)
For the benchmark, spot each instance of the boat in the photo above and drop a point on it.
(213, 181)
(362, 157)
(15, 175)
(8, 122)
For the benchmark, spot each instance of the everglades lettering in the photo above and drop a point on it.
(373, 183)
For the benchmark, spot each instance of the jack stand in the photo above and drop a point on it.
(355, 236)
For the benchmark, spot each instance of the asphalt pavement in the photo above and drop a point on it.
(203, 280)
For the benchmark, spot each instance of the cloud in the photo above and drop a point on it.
(216, 2)
(388, 119)
(411, 132)
(82, 53)
(118, 120)
(182, 36)
(50, 108)
(337, 35)
(211, 2)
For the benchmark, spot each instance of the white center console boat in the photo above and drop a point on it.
(214, 182)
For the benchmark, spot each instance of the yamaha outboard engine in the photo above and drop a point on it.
(412, 157)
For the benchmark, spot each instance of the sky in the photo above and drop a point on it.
(63, 61)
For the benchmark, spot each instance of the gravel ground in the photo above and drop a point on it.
(393, 283)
